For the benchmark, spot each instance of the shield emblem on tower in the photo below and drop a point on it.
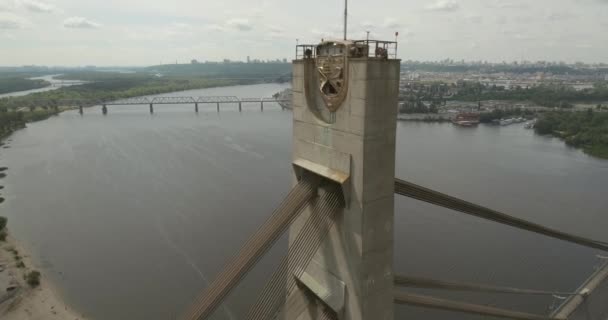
(331, 63)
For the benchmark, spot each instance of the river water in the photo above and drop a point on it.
(131, 214)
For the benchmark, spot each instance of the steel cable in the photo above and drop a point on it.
(419, 282)
(449, 305)
(427, 195)
(251, 252)
(225, 277)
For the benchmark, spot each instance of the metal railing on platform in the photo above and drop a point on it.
(379, 49)
(306, 51)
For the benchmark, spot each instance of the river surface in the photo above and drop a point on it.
(131, 214)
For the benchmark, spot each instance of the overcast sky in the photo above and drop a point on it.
(144, 32)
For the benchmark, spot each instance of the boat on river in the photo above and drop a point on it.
(506, 122)
(530, 124)
(466, 119)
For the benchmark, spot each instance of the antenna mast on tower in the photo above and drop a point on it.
(345, 17)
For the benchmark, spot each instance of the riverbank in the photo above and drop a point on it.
(425, 117)
(22, 301)
(19, 300)
(11, 121)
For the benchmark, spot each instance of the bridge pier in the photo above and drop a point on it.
(240, 107)
(104, 109)
(196, 107)
(262, 106)
(218, 107)
(80, 110)
(151, 109)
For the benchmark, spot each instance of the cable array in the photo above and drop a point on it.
(252, 251)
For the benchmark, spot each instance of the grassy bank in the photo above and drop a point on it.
(586, 130)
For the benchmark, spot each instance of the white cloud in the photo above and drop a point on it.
(216, 27)
(240, 24)
(36, 6)
(406, 33)
(80, 23)
(275, 31)
(558, 16)
(274, 28)
(6, 5)
(177, 30)
(501, 4)
(12, 21)
(476, 19)
(367, 25)
(391, 23)
(145, 34)
(501, 20)
(524, 36)
(444, 5)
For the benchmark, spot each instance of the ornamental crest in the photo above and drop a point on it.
(331, 63)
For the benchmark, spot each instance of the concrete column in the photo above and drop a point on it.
(151, 108)
(196, 107)
(218, 107)
(262, 106)
(80, 110)
(357, 142)
(240, 107)
(104, 109)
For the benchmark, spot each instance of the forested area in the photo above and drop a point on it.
(557, 69)
(587, 130)
(549, 95)
(14, 83)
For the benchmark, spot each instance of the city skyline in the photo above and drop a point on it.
(138, 33)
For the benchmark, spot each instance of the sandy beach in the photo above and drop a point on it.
(24, 302)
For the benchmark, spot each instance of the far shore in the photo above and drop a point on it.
(26, 303)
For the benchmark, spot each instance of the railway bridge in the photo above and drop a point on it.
(150, 102)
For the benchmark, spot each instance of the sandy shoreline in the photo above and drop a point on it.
(42, 302)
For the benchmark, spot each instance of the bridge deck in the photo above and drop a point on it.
(592, 304)
(157, 100)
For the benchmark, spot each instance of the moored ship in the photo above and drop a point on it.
(466, 119)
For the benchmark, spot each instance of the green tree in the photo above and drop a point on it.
(3, 222)
(33, 278)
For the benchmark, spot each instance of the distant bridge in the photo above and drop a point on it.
(162, 100)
